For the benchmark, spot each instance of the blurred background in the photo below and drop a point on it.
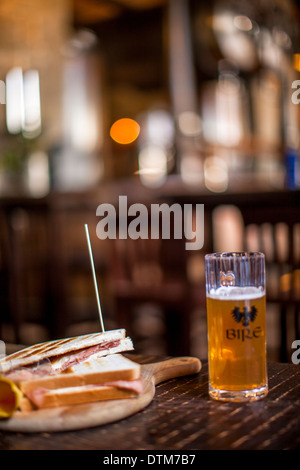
(177, 101)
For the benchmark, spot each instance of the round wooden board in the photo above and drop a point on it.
(70, 418)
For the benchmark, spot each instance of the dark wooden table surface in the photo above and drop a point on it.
(183, 417)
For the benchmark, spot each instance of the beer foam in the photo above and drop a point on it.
(236, 293)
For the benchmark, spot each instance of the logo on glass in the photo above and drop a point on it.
(246, 316)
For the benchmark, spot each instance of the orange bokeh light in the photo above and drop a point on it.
(297, 62)
(124, 131)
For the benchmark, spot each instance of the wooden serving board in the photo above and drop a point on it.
(70, 418)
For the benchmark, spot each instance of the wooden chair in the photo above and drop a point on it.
(275, 230)
(4, 275)
(24, 266)
(75, 307)
(152, 271)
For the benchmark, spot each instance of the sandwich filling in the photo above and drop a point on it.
(58, 364)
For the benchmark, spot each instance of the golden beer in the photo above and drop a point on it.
(236, 322)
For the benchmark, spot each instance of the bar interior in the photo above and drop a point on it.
(118, 107)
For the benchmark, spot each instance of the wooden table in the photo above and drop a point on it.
(183, 417)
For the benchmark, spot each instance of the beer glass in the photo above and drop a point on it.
(236, 325)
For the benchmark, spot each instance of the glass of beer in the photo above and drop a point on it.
(236, 325)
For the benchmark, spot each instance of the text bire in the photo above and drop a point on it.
(243, 334)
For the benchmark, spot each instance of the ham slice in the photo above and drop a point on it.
(58, 364)
(133, 385)
(30, 372)
(62, 363)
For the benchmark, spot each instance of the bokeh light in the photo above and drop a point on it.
(124, 131)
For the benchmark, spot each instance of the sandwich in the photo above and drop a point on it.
(63, 353)
(69, 371)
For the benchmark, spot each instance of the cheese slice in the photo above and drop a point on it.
(10, 396)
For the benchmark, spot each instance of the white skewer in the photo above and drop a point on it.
(94, 275)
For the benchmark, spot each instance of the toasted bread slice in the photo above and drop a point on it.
(94, 371)
(43, 398)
